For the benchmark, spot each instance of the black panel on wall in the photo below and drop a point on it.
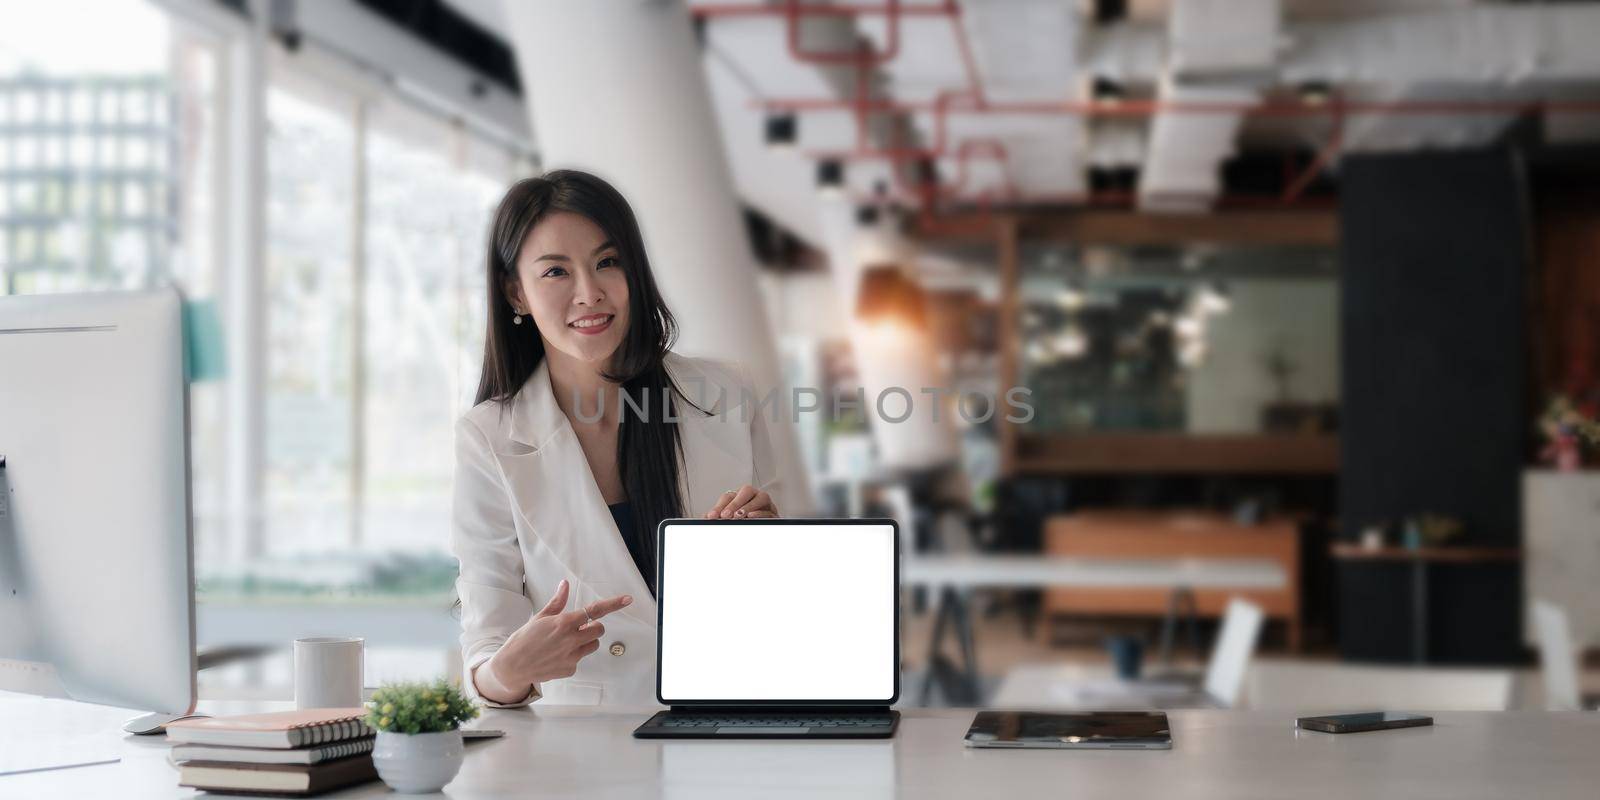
(1434, 250)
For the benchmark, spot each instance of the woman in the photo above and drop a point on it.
(560, 483)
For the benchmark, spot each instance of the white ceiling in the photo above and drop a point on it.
(1047, 50)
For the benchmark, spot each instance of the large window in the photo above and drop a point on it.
(310, 334)
(376, 223)
(87, 143)
(110, 178)
(156, 147)
(424, 324)
(119, 169)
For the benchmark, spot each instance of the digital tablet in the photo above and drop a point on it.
(1091, 730)
(1356, 723)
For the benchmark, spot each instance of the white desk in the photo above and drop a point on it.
(588, 753)
(955, 576)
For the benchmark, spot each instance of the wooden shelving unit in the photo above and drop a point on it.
(1458, 554)
(1135, 453)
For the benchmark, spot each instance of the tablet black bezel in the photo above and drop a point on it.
(661, 559)
(1161, 740)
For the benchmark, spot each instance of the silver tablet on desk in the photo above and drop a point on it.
(1091, 730)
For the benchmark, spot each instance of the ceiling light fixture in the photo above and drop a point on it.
(1315, 93)
(783, 131)
(1213, 299)
(1106, 91)
(888, 296)
(830, 175)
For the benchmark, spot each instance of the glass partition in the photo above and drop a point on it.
(1198, 339)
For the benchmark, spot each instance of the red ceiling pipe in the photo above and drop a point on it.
(874, 154)
(942, 101)
(969, 64)
(964, 152)
(861, 105)
(992, 148)
(860, 57)
(1111, 199)
(861, 89)
(929, 195)
(1145, 108)
(1325, 156)
(863, 59)
(1130, 200)
(942, 105)
(712, 10)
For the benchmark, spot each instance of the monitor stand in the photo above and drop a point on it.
(205, 658)
(155, 722)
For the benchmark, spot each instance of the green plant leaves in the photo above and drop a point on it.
(414, 707)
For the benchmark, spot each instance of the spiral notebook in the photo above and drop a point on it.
(280, 729)
(272, 755)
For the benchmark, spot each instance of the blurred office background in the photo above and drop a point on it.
(1303, 294)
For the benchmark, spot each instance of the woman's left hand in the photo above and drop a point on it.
(746, 502)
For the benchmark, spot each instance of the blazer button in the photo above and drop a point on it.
(618, 648)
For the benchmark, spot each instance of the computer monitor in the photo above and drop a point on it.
(96, 547)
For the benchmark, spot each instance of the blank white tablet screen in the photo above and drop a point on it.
(777, 612)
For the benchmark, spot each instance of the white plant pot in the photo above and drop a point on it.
(418, 763)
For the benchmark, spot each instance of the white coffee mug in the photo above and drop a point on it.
(328, 671)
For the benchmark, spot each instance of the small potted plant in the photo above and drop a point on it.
(419, 746)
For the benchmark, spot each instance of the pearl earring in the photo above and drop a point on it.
(516, 319)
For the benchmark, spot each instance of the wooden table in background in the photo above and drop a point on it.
(1175, 534)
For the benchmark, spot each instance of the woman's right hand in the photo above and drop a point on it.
(548, 646)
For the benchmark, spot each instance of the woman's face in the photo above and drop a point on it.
(570, 279)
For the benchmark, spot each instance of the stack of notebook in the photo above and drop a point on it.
(294, 753)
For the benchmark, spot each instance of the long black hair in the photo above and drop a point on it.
(649, 454)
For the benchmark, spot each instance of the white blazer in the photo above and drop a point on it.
(527, 513)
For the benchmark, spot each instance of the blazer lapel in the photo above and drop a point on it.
(716, 452)
(556, 494)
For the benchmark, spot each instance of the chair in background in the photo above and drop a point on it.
(1230, 657)
(1558, 660)
(1067, 686)
(897, 499)
(1299, 686)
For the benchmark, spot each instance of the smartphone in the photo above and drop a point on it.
(1355, 723)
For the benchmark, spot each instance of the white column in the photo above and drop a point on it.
(890, 358)
(616, 87)
(244, 287)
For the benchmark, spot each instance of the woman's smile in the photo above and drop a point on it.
(591, 324)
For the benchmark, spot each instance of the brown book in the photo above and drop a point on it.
(280, 729)
(294, 780)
